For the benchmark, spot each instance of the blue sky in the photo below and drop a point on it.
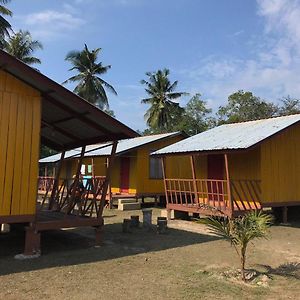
(212, 47)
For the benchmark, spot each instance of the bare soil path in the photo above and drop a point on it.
(185, 263)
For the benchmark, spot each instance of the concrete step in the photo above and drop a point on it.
(126, 200)
(129, 206)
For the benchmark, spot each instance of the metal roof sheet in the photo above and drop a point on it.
(231, 136)
(122, 147)
(68, 121)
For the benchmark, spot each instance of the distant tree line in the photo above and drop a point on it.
(165, 113)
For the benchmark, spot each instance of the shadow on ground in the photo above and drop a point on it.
(290, 270)
(76, 246)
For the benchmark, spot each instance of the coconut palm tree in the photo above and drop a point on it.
(163, 111)
(21, 45)
(240, 231)
(90, 86)
(5, 27)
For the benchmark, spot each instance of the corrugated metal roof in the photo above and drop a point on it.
(231, 136)
(68, 121)
(123, 147)
(71, 153)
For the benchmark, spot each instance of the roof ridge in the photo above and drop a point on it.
(259, 120)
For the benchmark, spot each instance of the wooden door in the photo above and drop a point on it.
(124, 174)
(215, 170)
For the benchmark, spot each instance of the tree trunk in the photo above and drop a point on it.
(243, 262)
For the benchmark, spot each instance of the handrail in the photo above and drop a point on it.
(86, 200)
(244, 194)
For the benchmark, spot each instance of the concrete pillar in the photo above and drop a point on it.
(147, 218)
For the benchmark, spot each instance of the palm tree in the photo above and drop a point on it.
(5, 26)
(21, 45)
(90, 85)
(163, 110)
(240, 231)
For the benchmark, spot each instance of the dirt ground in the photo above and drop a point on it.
(185, 263)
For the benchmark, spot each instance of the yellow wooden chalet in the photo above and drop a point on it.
(237, 167)
(35, 111)
(134, 174)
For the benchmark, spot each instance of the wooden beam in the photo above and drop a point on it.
(95, 140)
(60, 130)
(76, 181)
(192, 161)
(51, 144)
(228, 184)
(82, 118)
(107, 178)
(56, 181)
(93, 168)
(74, 116)
(164, 171)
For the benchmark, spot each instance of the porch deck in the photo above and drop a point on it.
(64, 205)
(50, 220)
(213, 197)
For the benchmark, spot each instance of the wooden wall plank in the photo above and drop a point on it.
(281, 167)
(20, 119)
(10, 156)
(17, 177)
(26, 156)
(35, 149)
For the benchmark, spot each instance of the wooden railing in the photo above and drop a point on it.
(72, 199)
(198, 193)
(246, 194)
(214, 194)
(45, 183)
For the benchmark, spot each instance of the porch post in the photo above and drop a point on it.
(56, 180)
(76, 180)
(163, 164)
(107, 178)
(110, 204)
(228, 183)
(194, 177)
(93, 168)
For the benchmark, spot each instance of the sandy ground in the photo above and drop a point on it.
(185, 263)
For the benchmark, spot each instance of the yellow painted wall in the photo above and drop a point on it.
(115, 176)
(174, 166)
(178, 167)
(280, 167)
(100, 166)
(200, 166)
(20, 119)
(245, 165)
(139, 181)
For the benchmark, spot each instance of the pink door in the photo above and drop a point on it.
(124, 174)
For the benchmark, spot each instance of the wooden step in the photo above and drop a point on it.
(126, 200)
(129, 206)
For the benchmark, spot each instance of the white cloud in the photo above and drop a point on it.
(274, 70)
(51, 24)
